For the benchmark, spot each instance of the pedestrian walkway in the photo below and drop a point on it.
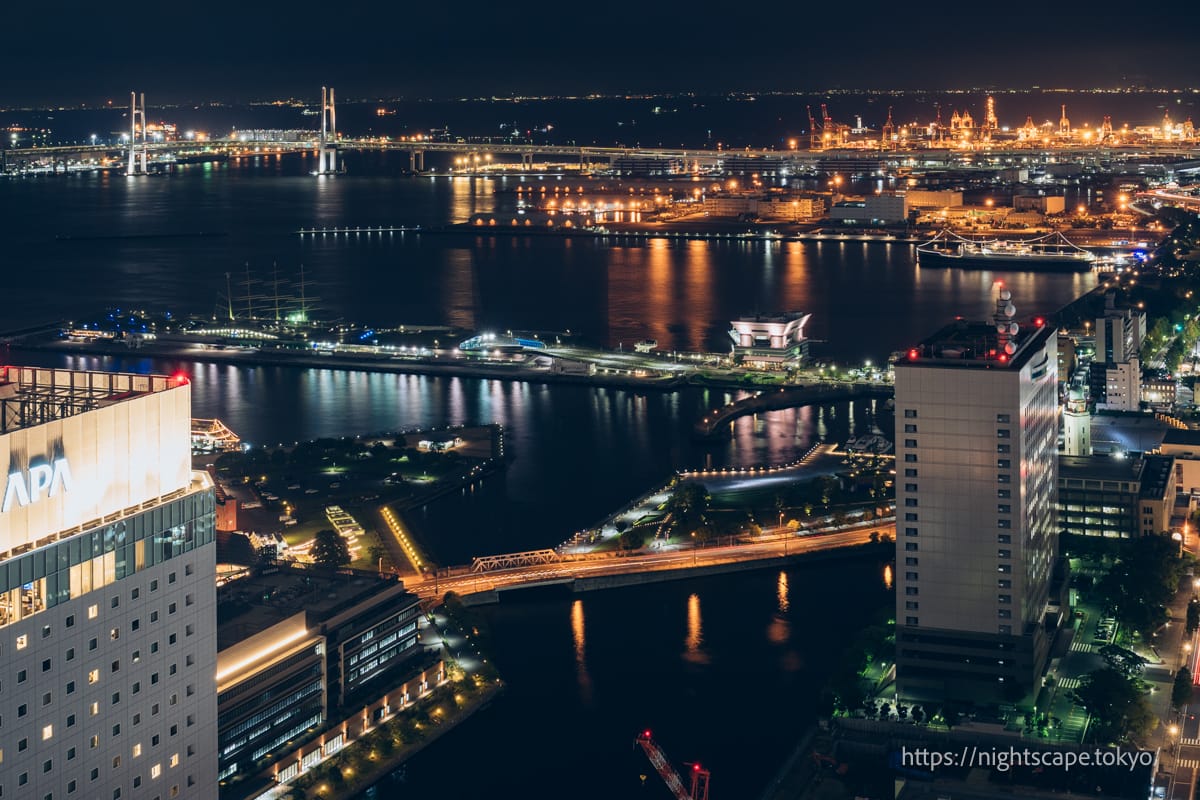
(1068, 683)
(1074, 724)
(1189, 763)
(1080, 646)
(1193, 742)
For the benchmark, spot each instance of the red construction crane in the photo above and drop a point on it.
(699, 790)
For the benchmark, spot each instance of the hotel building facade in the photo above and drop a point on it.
(107, 595)
(977, 542)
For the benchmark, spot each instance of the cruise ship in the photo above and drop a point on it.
(1049, 253)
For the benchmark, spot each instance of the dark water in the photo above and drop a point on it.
(724, 671)
(867, 300)
(737, 695)
(578, 453)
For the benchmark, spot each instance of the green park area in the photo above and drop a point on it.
(705, 511)
(287, 489)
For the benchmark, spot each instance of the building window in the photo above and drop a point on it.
(1004, 598)
(1002, 418)
(156, 770)
(1003, 583)
(1006, 630)
(910, 487)
(910, 590)
(135, 593)
(70, 720)
(70, 687)
(910, 442)
(1004, 568)
(910, 531)
(1004, 478)
(93, 612)
(1004, 523)
(116, 601)
(1003, 463)
(910, 620)
(1004, 494)
(909, 472)
(22, 709)
(910, 458)
(910, 546)
(71, 621)
(22, 641)
(1002, 433)
(1003, 448)
(1004, 613)
(910, 428)
(1003, 508)
(911, 561)
(46, 697)
(93, 676)
(1003, 538)
(21, 676)
(911, 576)
(910, 502)
(911, 605)
(910, 516)
(910, 413)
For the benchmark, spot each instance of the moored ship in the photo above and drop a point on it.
(1049, 253)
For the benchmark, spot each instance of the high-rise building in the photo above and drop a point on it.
(976, 544)
(1119, 332)
(107, 591)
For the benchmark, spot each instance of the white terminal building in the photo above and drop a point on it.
(107, 597)
(977, 539)
(771, 340)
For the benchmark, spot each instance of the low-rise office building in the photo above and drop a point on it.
(298, 646)
(1115, 498)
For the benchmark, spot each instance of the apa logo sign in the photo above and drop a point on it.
(41, 480)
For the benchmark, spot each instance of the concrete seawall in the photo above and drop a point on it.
(717, 423)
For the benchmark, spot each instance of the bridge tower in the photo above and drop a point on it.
(137, 127)
(327, 149)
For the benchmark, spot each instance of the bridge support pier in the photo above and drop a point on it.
(416, 161)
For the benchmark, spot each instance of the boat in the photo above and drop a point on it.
(1050, 253)
(645, 345)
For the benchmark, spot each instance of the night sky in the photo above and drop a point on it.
(232, 52)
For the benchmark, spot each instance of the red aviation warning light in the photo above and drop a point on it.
(181, 378)
(912, 354)
(1039, 321)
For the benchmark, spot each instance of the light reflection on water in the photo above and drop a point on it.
(694, 643)
(581, 668)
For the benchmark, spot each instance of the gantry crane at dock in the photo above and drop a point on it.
(699, 789)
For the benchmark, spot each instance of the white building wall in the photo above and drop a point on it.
(952, 441)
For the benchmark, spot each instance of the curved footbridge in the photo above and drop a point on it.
(717, 423)
(488, 578)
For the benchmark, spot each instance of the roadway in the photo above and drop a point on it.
(775, 544)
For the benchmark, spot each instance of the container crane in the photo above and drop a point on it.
(814, 132)
(699, 789)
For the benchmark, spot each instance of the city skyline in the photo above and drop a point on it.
(472, 49)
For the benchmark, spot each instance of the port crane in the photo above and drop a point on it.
(699, 788)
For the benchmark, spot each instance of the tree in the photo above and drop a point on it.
(1181, 691)
(1126, 662)
(1142, 582)
(1120, 712)
(688, 504)
(376, 552)
(329, 549)
(631, 539)
(1193, 616)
